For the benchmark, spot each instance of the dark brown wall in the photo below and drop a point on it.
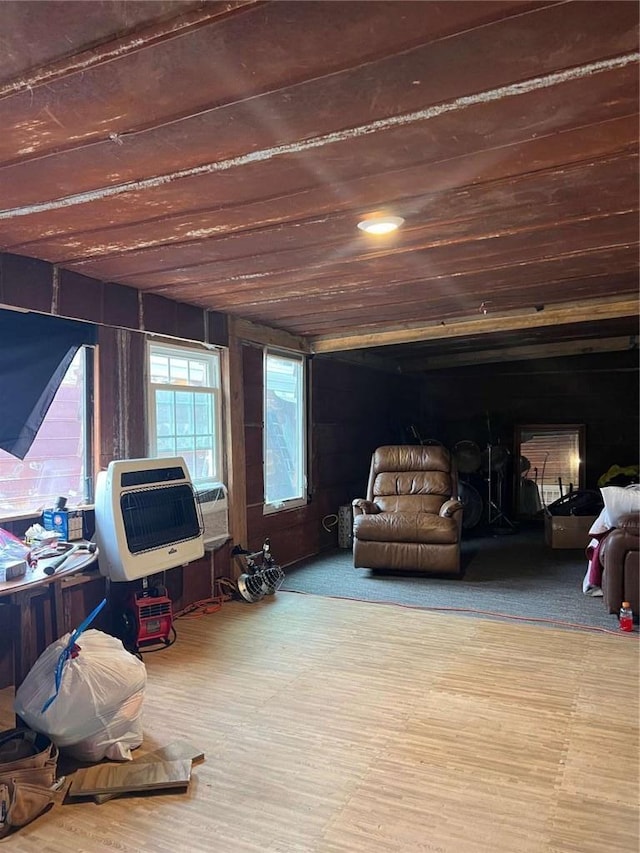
(487, 402)
(353, 410)
(39, 286)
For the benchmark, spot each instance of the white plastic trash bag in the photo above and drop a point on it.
(122, 734)
(91, 700)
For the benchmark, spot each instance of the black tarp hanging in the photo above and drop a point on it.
(35, 353)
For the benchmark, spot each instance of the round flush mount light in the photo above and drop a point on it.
(380, 224)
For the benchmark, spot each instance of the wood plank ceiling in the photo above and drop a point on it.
(222, 154)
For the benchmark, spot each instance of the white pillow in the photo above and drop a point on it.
(619, 501)
(600, 525)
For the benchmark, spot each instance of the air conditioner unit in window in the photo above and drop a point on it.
(215, 513)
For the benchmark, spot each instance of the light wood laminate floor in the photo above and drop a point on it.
(333, 726)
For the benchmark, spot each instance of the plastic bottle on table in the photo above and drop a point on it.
(626, 617)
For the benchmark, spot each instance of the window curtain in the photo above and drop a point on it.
(35, 353)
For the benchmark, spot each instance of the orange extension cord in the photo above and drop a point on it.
(202, 608)
(506, 616)
(206, 606)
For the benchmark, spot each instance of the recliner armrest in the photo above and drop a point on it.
(361, 506)
(450, 507)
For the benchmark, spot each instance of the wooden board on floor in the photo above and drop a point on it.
(133, 776)
(179, 749)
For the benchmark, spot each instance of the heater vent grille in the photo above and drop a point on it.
(148, 611)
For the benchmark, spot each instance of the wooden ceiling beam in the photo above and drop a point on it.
(84, 247)
(416, 276)
(534, 317)
(266, 254)
(300, 147)
(117, 48)
(523, 353)
(268, 336)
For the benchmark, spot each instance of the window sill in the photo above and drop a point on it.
(36, 514)
(270, 509)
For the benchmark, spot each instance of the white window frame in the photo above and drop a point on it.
(301, 500)
(212, 355)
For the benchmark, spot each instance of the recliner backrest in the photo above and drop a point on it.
(411, 478)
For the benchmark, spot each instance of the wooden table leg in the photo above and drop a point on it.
(25, 637)
(24, 640)
(58, 616)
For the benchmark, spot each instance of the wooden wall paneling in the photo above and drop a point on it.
(173, 580)
(253, 443)
(598, 391)
(294, 534)
(253, 432)
(190, 322)
(120, 306)
(222, 563)
(197, 580)
(253, 384)
(255, 486)
(80, 595)
(6, 655)
(235, 437)
(354, 412)
(40, 286)
(252, 375)
(26, 283)
(217, 328)
(157, 314)
(80, 297)
(121, 395)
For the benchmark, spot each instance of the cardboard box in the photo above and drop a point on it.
(567, 531)
(66, 522)
(12, 569)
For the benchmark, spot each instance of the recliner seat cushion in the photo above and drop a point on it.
(410, 503)
(421, 527)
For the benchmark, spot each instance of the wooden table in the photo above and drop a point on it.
(16, 597)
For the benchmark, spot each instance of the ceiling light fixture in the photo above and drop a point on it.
(380, 224)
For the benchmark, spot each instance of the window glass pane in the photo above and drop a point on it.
(179, 371)
(184, 413)
(550, 457)
(165, 419)
(203, 415)
(284, 429)
(198, 373)
(56, 463)
(159, 369)
(166, 446)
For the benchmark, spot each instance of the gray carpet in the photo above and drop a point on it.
(516, 575)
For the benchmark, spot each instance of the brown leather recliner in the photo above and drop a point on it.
(620, 561)
(411, 519)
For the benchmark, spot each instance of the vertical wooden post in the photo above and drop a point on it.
(235, 441)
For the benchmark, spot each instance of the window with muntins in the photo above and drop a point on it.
(185, 409)
(285, 474)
